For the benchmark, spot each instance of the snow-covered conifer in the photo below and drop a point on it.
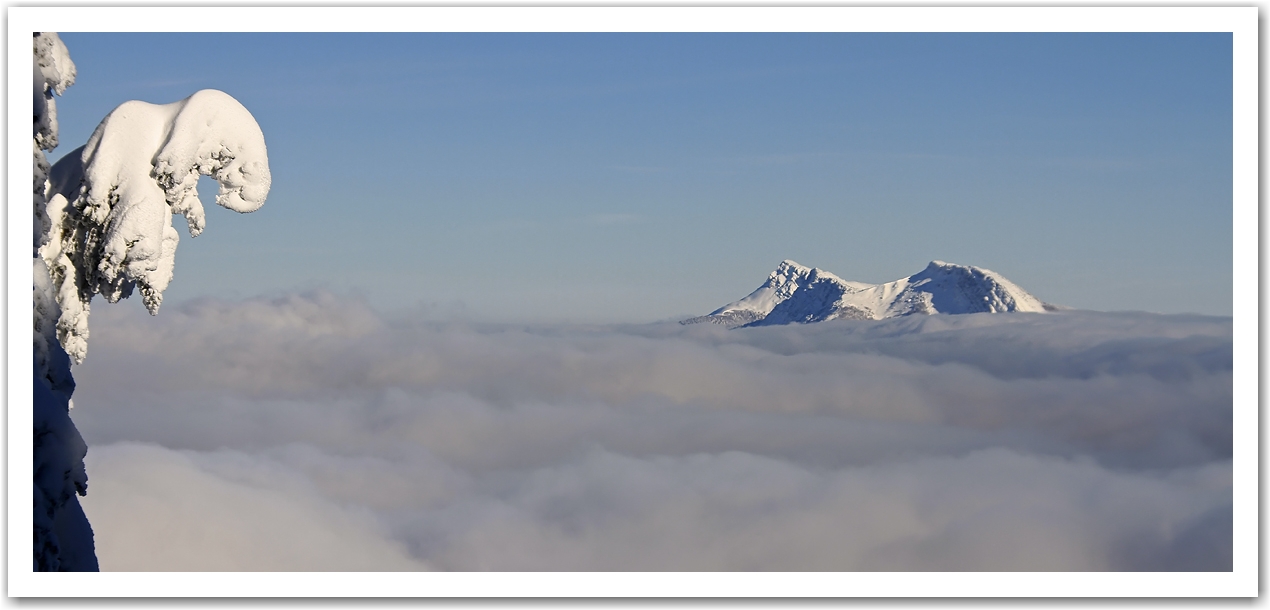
(103, 225)
(63, 539)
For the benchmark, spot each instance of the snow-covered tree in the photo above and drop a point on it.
(103, 225)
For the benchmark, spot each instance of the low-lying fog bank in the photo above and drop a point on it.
(310, 433)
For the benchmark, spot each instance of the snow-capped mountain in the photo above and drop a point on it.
(794, 293)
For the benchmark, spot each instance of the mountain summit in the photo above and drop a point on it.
(794, 293)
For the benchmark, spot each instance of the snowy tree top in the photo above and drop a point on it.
(54, 61)
(53, 72)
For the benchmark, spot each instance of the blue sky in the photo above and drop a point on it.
(637, 177)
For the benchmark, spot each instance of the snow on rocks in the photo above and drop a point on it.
(795, 293)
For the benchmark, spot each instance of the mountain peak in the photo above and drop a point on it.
(797, 293)
(789, 268)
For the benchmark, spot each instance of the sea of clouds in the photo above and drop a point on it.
(309, 432)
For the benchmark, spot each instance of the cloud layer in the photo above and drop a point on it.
(309, 432)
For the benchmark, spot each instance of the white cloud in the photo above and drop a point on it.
(1079, 441)
(155, 509)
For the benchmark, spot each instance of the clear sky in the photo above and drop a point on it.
(638, 177)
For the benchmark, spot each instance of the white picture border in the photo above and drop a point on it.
(1240, 21)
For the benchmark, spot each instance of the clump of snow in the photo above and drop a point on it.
(140, 167)
(796, 293)
(53, 71)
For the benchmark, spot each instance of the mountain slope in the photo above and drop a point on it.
(795, 293)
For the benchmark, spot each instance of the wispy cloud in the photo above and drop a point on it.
(640, 169)
(612, 219)
(774, 159)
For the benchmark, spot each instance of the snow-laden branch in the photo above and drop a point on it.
(112, 201)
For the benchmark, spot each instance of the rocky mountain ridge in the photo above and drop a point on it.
(795, 293)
